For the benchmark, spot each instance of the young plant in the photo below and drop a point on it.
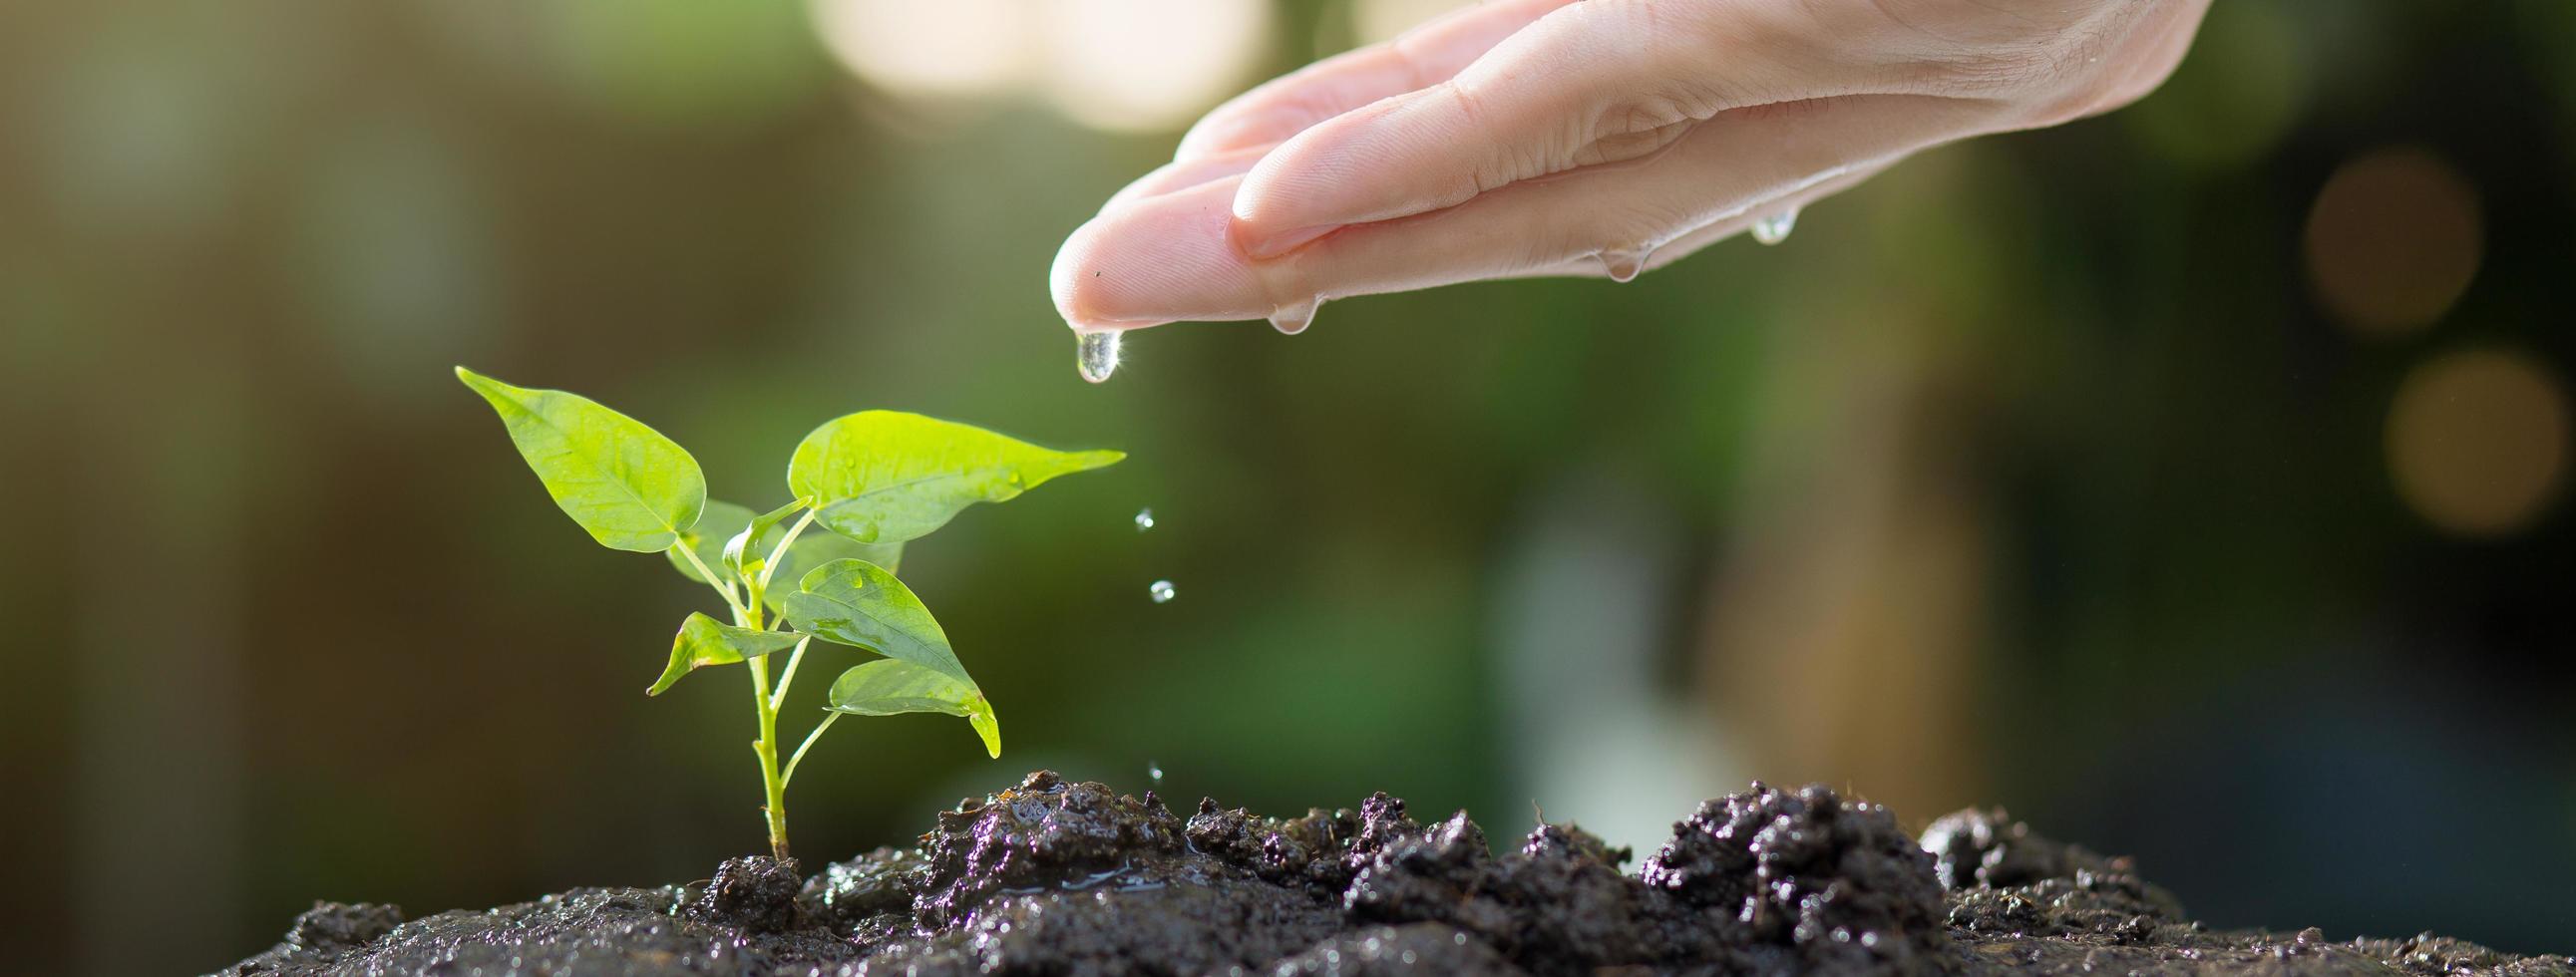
(871, 481)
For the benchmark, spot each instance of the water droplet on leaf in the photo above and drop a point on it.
(1160, 590)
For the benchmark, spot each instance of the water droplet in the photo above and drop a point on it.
(1144, 519)
(1623, 266)
(1161, 591)
(1096, 354)
(1775, 228)
(1154, 770)
(1293, 319)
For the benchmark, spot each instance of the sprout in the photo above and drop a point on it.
(870, 481)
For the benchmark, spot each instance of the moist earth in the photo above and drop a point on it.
(1053, 877)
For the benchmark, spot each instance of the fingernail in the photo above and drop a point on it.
(1274, 245)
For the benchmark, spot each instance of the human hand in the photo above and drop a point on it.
(1581, 137)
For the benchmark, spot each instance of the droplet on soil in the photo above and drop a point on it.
(1160, 590)
(1144, 519)
(1775, 228)
(1096, 354)
(1293, 319)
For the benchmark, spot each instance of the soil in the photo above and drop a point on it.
(1060, 878)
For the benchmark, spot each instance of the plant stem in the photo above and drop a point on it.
(784, 542)
(799, 757)
(773, 786)
(778, 699)
(715, 581)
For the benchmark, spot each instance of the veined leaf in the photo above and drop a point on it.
(889, 686)
(857, 603)
(887, 476)
(632, 488)
(819, 546)
(707, 539)
(704, 641)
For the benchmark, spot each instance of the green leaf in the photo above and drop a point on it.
(749, 548)
(857, 603)
(707, 539)
(818, 547)
(814, 547)
(886, 476)
(632, 488)
(705, 641)
(889, 686)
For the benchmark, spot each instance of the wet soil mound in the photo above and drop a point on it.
(1059, 878)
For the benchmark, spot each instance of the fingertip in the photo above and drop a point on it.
(1161, 259)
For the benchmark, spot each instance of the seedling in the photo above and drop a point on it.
(872, 481)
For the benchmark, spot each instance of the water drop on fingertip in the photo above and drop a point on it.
(1623, 266)
(1144, 519)
(1096, 354)
(1775, 228)
(1160, 590)
(1293, 319)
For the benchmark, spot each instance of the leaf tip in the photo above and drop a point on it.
(980, 715)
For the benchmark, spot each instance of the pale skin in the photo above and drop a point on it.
(1600, 138)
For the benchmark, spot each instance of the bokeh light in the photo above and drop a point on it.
(2393, 240)
(2477, 440)
(1148, 65)
(1379, 20)
(954, 48)
(1130, 65)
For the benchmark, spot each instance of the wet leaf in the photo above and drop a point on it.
(625, 483)
(814, 547)
(857, 603)
(819, 546)
(886, 476)
(889, 686)
(704, 641)
(720, 523)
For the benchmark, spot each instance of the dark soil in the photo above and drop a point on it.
(1060, 878)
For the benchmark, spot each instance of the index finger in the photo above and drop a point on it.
(1426, 55)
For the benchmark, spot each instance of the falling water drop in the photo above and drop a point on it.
(1623, 266)
(1155, 771)
(1293, 319)
(1775, 228)
(1144, 519)
(1160, 590)
(1096, 354)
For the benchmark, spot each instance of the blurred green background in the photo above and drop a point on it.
(2190, 480)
